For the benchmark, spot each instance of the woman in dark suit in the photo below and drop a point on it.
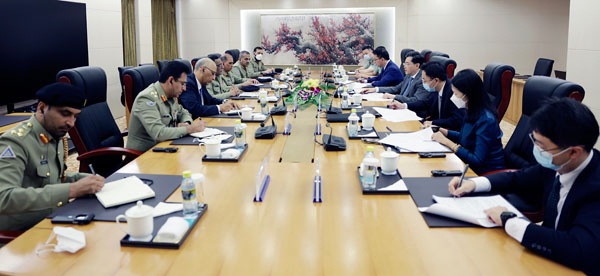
(479, 141)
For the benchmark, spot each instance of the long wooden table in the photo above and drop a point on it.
(287, 234)
(8, 127)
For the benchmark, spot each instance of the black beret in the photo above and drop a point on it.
(61, 94)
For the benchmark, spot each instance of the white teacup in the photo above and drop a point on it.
(213, 147)
(140, 222)
(246, 113)
(368, 120)
(357, 99)
(389, 162)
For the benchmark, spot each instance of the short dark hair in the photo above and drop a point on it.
(381, 52)
(257, 48)
(173, 69)
(417, 58)
(469, 83)
(367, 47)
(244, 52)
(566, 122)
(214, 57)
(434, 70)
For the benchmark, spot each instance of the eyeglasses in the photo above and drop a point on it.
(214, 73)
(408, 63)
(537, 143)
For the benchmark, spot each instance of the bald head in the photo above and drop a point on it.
(205, 71)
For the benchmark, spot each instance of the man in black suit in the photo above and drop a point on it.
(411, 88)
(566, 178)
(196, 99)
(437, 108)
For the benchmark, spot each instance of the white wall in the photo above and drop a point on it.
(584, 51)
(143, 31)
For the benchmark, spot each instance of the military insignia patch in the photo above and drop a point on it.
(8, 153)
(151, 103)
(163, 98)
(44, 138)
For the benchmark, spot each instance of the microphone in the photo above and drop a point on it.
(333, 143)
(333, 110)
(279, 110)
(266, 132)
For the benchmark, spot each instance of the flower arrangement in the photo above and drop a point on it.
(308, 92)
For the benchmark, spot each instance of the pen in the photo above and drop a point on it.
(388, 128)
(462, 176)
(92, 169)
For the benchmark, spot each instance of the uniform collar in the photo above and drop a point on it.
(43, 136)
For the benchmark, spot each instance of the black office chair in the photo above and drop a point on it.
(235, 53)
(90, 79)
(426, 53)
(161, 64)
(439, 54)
(99, 141)
(137, 79)
(214, 56)
(543, 67)
(187, 63)
(143, 64)
(403, 54)
(497, 82)
(449, 65)
(121, 72)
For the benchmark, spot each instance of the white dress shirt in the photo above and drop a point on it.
(515, 227)
(202, 96)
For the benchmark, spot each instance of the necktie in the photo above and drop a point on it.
(552, 204)
(201, 96)
(406, 89)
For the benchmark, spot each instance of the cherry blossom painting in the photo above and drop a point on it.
(316, 38)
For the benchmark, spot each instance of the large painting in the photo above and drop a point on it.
(317, 38)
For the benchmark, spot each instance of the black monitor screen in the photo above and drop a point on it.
(39, 38)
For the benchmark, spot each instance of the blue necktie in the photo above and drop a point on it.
(201, 96)
(552, 204)
(406, 89)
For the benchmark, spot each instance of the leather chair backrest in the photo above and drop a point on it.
(518, 150)
(235, 53)
(196, 59)
(187, 63)
(439, 54)
(403, 58)
(426, 53)
(121, 73)
(90, 79)
(449, 65)
(543, 67)
(95, 128)
(214, 56)
(137, 79)
(161, 64)
(142, 64)
(497, 82)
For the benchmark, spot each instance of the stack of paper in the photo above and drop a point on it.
(356, 86)
(469, 209)
(418, 141)
(249, 94)
(124, 191)
(375, 97)
(207, 132)
(397, 115)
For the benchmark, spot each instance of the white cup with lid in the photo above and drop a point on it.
(213, 147)
(246, 113)
(140, 222)
(357, 98)
(368, 120)
(389, 162)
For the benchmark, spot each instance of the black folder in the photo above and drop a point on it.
(193, 141)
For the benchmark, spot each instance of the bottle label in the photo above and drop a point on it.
(189, 194)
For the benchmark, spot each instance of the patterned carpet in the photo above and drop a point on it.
(73, 164)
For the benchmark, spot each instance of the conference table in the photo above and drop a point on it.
(22, 117)
(287, 234)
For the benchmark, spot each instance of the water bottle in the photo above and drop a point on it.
(239, 134)
(188, 193)
(353, 123)
(345, 98)
(368, 168)
(264, 108)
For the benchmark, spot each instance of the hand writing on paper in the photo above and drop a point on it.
(88, 185)
(466, 187)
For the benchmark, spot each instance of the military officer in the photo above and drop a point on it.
(33, 182)
(240, 68)
(257, 67)
(233, 79)
(220, 88)
(156, 115)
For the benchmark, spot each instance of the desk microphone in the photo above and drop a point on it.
(266, 132)
(279, 110)
(333, 143)
(333, 110)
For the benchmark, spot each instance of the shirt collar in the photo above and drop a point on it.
(441, 92)
(413, 76)
(39, 129)
(568, 179)
(199, 84)
(386, 64)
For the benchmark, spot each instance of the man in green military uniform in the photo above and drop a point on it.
(220, 88)
(240, 68)
(231, 79)
(257, 67)
(156, 116)
(33, 182)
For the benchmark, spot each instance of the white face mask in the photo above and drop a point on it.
(68, 239)
(259, 57)
(458, 101)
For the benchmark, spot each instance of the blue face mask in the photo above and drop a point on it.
(428, 88)
(544, 158)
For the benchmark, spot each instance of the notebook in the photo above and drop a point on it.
(124, 191)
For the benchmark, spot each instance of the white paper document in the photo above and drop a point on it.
(375, 97)
(207, 132)
(398, 186)
(163, 208)
(249, 94)
(468, 209)
(124, 191)
(418, 141)
(397, 115)
(356, 86)
(371, 134)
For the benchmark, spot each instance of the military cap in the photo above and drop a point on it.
(61, 94)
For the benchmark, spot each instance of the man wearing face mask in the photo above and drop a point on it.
(369, 69)
(33, 182)
(566, 179)
(257, 67)
(437, 109)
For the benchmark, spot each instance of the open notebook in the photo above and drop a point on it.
(122, 191)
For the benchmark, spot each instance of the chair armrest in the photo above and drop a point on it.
(499, 171)
(128, 153)
(8, 236)
(124, 133)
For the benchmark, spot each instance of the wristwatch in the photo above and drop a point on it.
(506, 215)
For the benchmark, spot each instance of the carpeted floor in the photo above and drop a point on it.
(73, 164)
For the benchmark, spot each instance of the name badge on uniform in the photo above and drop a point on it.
(8, 153)
(43, 162)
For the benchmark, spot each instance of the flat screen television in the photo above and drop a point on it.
(39, 38)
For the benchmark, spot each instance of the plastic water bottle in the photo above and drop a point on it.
(188, 193)
(239, 134)
(264, 108)
(345, 98)
(353, 123)
(369, 168)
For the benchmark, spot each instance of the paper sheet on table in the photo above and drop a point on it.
(163, 208)
(469, 209)
(207, 132)
(351, 73)
(272, 98)
(371, 134)
(418, 141)
(249, 94)
(220, 137)
(375, 97)
(356, 86)
(347, 82)
(398, 186)
(397, 115)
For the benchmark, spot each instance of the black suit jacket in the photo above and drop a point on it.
(451, 117)
(190, 99)
(576, 240)
(416, 92)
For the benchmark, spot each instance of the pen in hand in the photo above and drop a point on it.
(462, 177)
(92, 169)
